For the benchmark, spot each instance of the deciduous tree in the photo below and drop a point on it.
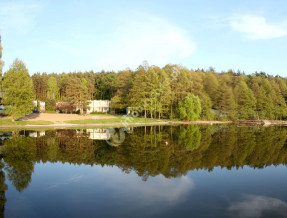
(189, 108)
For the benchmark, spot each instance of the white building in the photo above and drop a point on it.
(42, 105)
(99, 106)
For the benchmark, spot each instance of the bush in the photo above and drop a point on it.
(51, 105)
(64, 107)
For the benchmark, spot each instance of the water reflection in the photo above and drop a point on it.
(153, 153)
(99, 134)
(3, 188)
(19, 156)
(145, 149)
(256, 206)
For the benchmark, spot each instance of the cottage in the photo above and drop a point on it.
(42, 105)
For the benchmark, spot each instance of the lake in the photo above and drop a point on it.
(151, 171)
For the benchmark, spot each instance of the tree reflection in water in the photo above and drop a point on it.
(149, 151)
(3, 188)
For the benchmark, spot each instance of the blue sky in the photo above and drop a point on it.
(73, 35)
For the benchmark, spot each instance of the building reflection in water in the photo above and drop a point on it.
(99, 134)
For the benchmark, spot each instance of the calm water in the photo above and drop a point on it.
(167, 171)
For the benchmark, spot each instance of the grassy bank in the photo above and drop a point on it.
(65, 121)
(118, 119)
(8, 122)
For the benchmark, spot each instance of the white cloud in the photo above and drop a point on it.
(255, 205)
(142, 196)
(155, 189)
(256, 27)
(17, 15)
(146, 38)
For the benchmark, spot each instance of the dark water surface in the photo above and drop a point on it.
(166, 171)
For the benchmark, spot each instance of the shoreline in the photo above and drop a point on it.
(67, 125)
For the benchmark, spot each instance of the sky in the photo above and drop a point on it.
(111, 35)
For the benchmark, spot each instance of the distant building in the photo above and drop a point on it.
(101, 106)
(42, 105)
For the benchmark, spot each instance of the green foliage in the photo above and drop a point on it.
(52, 148)
(77, 93)
(245, 101)
(190, 137)
(226, 102)
(40, 83)
(143, 91)
(105, 84)
(9, 122)
(52, 89)
(116, 120)
(211, 86)
(18, 88)
(155, 92)
(20, 154)
(189, 108)
(121, 99)
(117, 102)
(1, 65)
(50, 105)
(206, 107)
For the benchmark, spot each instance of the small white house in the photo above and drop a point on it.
(102, 106)
(42, 105)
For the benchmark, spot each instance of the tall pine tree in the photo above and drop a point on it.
(18, 88)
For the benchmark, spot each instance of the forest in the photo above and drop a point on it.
(170, 92)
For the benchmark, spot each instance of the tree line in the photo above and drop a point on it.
(172, 91)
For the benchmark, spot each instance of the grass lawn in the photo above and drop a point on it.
(8, 122)
(118, 119)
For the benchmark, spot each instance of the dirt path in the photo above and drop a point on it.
(61, 118)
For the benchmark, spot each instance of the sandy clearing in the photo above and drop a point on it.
(61, 118)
